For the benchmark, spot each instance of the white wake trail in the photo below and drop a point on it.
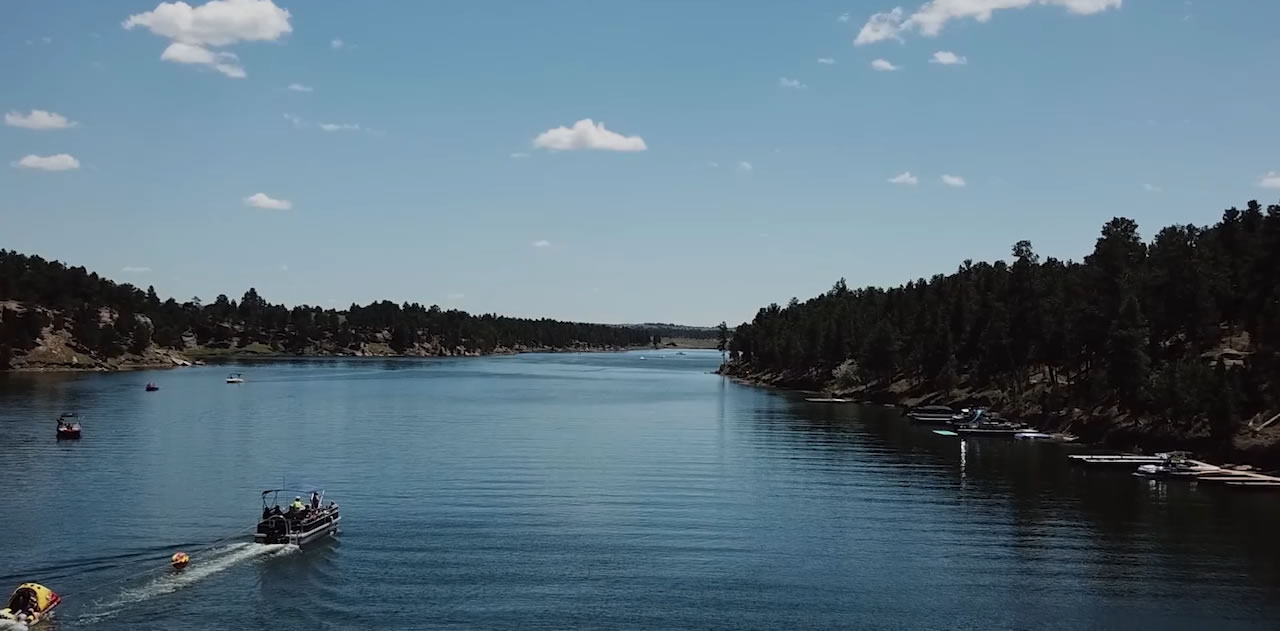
(202, 567)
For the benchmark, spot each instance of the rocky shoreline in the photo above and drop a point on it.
(1102, 425)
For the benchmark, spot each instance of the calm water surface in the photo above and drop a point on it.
(600, 491)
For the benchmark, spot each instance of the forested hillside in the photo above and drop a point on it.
(1181, 335)
(105, 320)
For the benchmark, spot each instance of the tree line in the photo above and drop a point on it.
(103, 318)
(1185, 328)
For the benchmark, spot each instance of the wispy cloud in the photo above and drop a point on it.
(38, 119)
(954, 181)
(261, 200)
(587, 134)
(296, 120)
(843, 17)
(336, 43)
(883, 65)
(339, 126)
(194, 31)
(794, 84)
(541, 243)
(713, 164)
(904, 178)
(1152, 188)
(1270, 180)
(57, 162)
(298, 87)
(826, 61)
(948, 58)
(518, 155)
(933, 15)
(745, 166)
(135, 269)
(454, 297)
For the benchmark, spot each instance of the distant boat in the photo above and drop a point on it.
(235, 378)
(1172, 465)
(931, 414)
(68, 426)
(151, 387)
(827, 400)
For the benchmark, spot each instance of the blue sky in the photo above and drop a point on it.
(411, 172)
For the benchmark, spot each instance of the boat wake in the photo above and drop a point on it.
(12, 625)
(202, 567)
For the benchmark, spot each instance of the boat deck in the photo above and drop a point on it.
(1203, 471)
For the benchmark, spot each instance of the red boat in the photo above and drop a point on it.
(68, 426)
(151, 387)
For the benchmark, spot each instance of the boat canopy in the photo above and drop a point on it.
(302, 490)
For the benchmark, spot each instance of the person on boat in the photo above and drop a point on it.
(315, 500)
(297, 506)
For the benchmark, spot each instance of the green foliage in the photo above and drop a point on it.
(81, 297)
(1128, 324)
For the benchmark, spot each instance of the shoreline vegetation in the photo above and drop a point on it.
(59, 318)
(1172, 344)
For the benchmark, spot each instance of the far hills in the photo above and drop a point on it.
(58, 317)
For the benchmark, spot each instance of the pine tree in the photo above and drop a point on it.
(1128, 366)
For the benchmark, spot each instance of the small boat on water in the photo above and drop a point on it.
(68, 426)
(151, 387)
(235, 378)
(931, 414)
(1174, 464)
(300, 523)
(30, 603)
(979, 422)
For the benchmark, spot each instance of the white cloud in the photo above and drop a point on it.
(340, 126)
(745, 166)
(826, 61)
(948, 58)
(260, 200)
(713, 164)
(954, 181)
(296, 120)
(904, 178)
(1152, 188)
(1270, 180)
(791, 83)
(883, 65)
(38, 119)
(879, 27)
(226, 63)
(215, 23)
(336, 43)
(298, 87)
(46, 39)
(844, 17)
(135, 269)
(192, 31)
(59, 162)
(519, 155)
(587, 134)
(541, 243)
(932, 16)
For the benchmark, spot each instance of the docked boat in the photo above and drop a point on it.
(151, 387)
(931, 414)
(301, 522)
(1174, 464)
(68, 426)
(30, 603)
(235, 378)
(979, 422)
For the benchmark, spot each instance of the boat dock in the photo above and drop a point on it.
(1204, 472)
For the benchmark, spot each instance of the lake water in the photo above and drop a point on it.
(591, 491)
